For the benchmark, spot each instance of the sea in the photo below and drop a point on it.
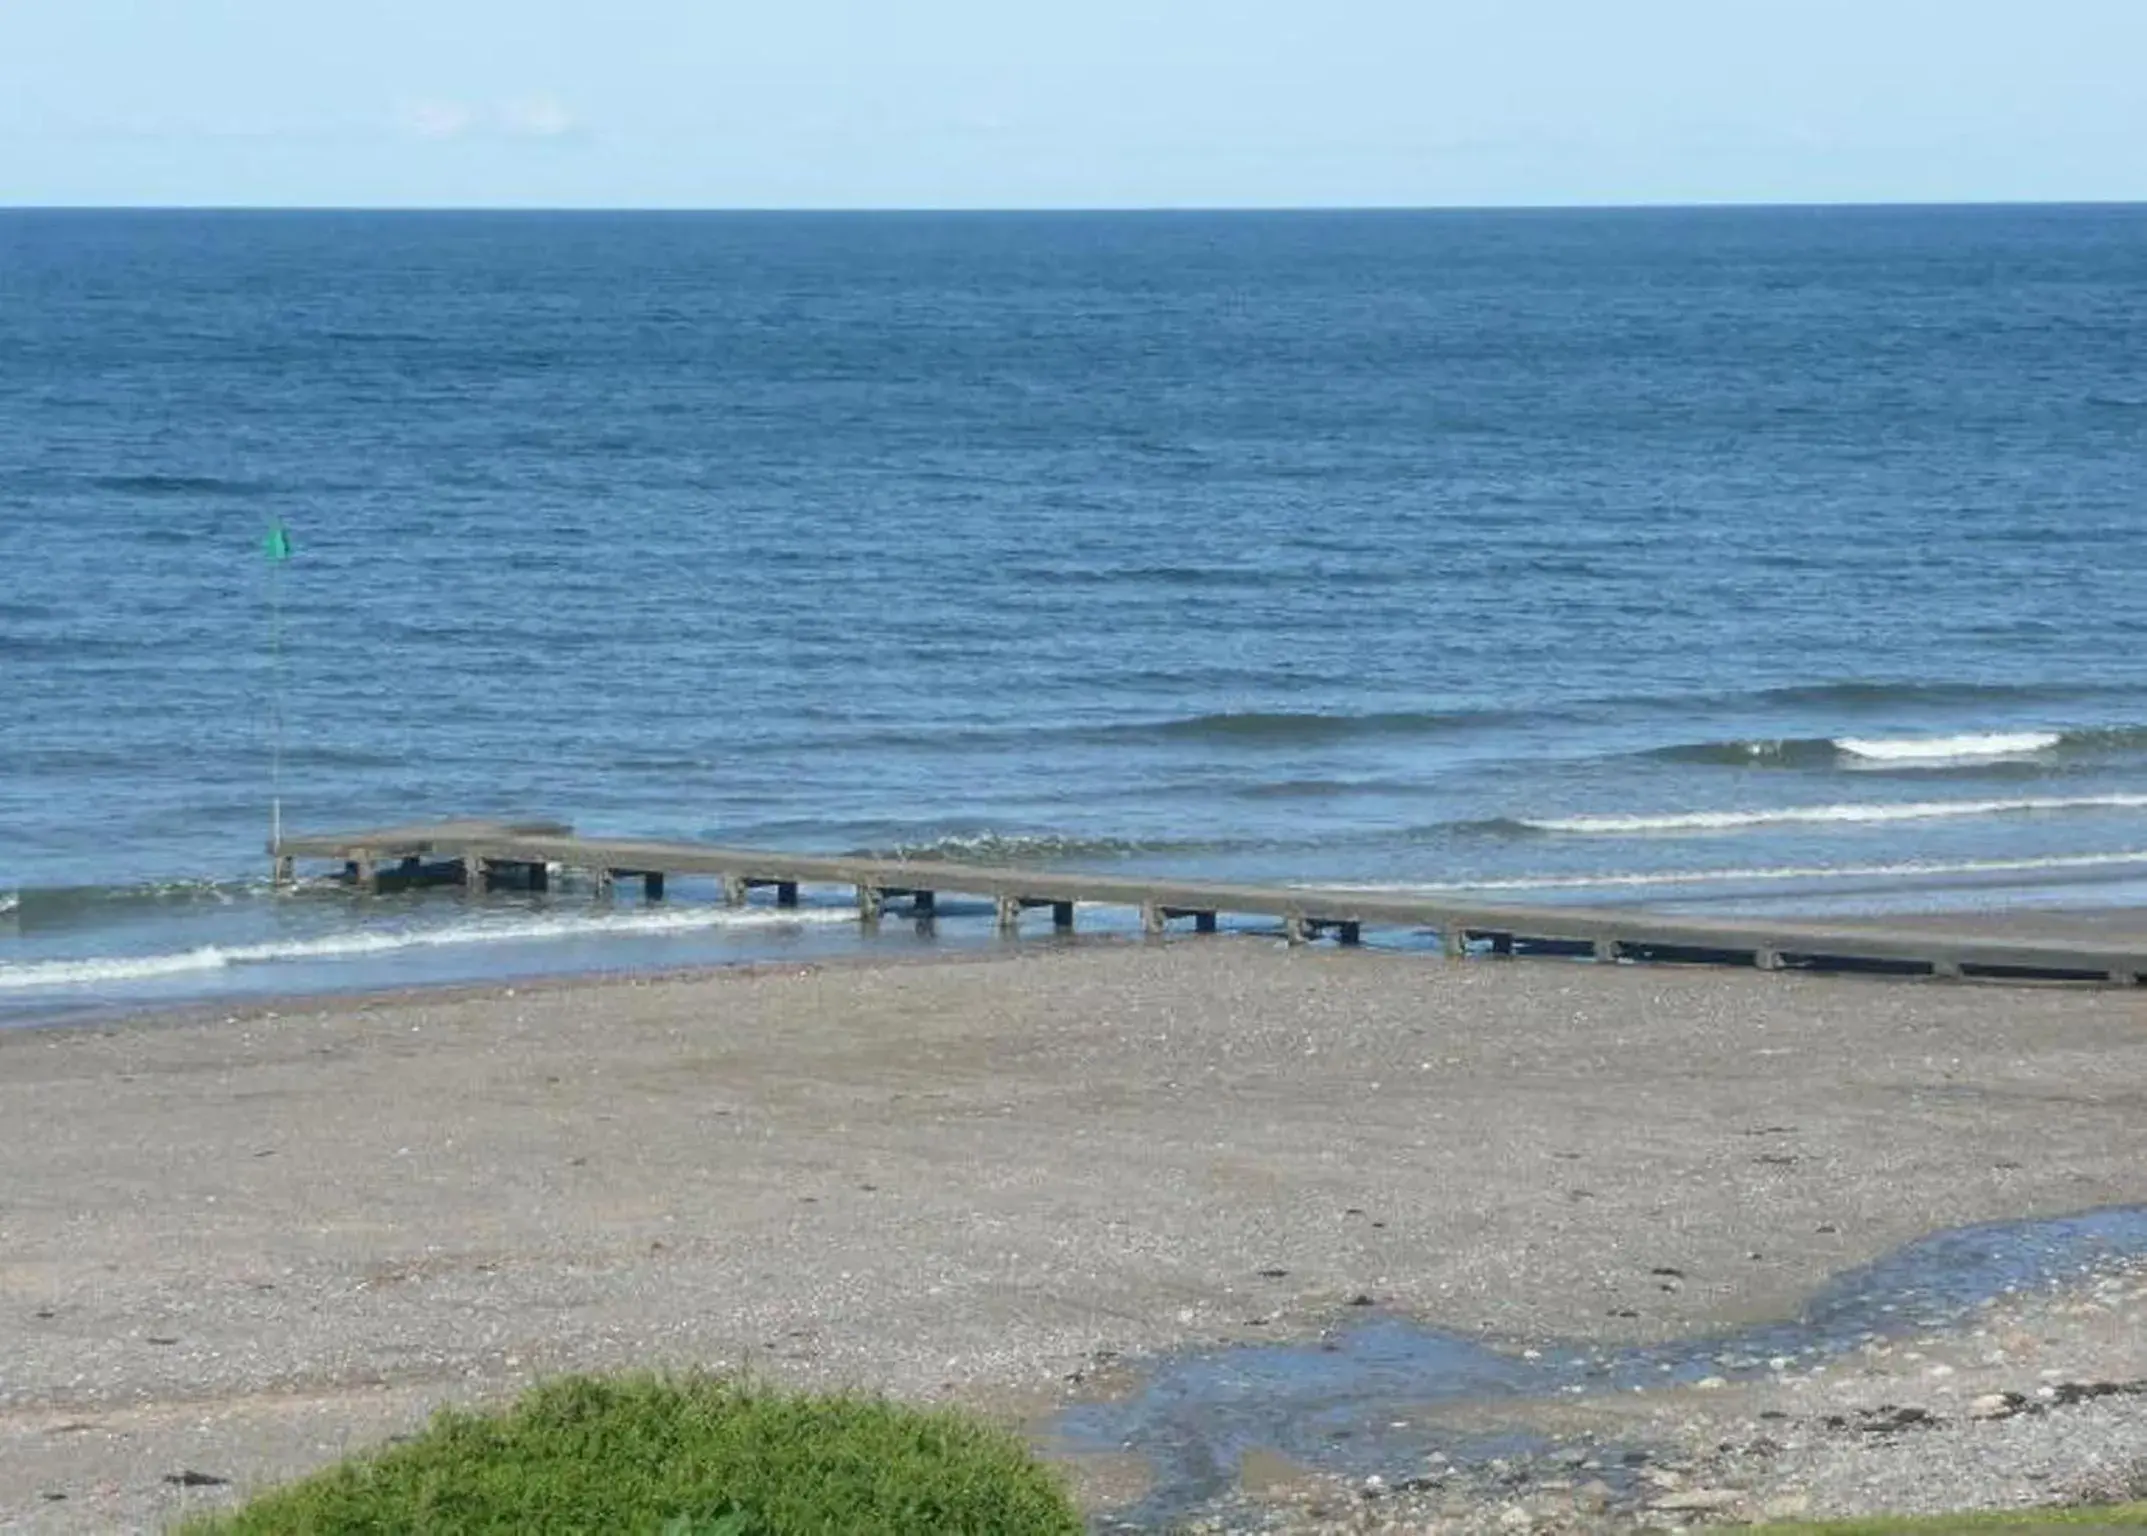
(1755, 560)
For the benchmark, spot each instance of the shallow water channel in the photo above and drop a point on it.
(1344, 1403)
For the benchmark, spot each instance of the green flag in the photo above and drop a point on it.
(278, 542)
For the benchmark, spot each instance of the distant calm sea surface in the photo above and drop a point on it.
(1783, 559)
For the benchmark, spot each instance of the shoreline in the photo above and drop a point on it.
(247, 1240)
(2058, 925)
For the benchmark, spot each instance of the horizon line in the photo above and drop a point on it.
(1075, 209)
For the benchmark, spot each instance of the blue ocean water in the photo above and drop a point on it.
(1757, 558)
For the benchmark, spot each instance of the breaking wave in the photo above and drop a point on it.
(217, 957)
(1764, 874)
(1805, 815)
(1940, 749)
(1966, 748)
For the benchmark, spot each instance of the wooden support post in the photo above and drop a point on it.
(923, 903)
(1767, 959)
(601, 881)
(476, 873)
(786, 893)
(871, 901)
(1348, 934)
(282, 870)
(363, 875)
(1606, 951)
(1299, 929)
(1153, 919)
(1007, 911)
(735, 890)
(1454, 941)
(1062, 916)
(652, 885)
(1203, 922)
(540, 876)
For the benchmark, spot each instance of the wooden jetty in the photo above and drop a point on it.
(480, 854)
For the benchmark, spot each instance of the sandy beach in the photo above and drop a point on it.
(239, 1245)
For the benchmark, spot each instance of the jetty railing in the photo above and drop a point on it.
(479, 854)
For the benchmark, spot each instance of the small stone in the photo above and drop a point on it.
(1514, 1518)
(1695, 1500)
(1996, 1405)
(1592, 1497)
(1711, 1383)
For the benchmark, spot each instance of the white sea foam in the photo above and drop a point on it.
(1913, 810)
(1765, 874)
(216, 957)
(1944, 749)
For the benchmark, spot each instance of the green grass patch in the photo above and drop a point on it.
(690, 1456)
(2074, 1522)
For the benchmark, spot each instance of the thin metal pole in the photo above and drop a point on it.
(275, 707)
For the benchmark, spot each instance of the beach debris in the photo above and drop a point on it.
(1996, 1405)
(189, 1478)
(1886, 1419)
(2070, 1392)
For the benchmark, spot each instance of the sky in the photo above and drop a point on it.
(1034, 103)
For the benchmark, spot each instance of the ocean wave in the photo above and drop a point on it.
(1763, 874)
(1861, 694)
(1804, 815)
(1323, 789)
(1301, 727)
(1963, 748)
(48, 905)
(343, 946)
(177, 485)
(1026, 848)
(1938, 749)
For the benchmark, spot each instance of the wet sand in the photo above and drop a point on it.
(241, 1245)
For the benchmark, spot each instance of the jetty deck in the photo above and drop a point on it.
(482, 854)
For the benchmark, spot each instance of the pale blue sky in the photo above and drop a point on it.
(997, 103)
